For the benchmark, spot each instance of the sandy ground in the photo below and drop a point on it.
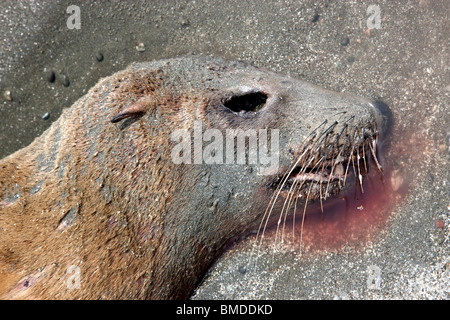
(404, 62)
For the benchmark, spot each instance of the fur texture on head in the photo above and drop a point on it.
(100, 197)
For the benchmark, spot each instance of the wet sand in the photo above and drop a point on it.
(45, 66)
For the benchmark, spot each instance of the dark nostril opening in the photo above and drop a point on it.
(384, 117)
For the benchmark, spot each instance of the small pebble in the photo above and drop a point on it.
(7, 94)
(50, 76)
(242, 270)
(140, 47)
(440, 224)
(315, 17)
(66, 82)
(46, 116)
(345, 42)
(184, 22)
(99, 57)
(350, 59)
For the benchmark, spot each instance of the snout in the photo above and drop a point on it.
(384, 117)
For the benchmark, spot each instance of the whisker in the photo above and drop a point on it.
(320, 195)
(323, 161)
(293, 220)
(328, 182)
(353, 164)
(266, 216)
(372, 150)
(286, 201)
(359, 170)
(364, 157)
(363, 151)
(291, 199)
(303, 218)
(351, 156)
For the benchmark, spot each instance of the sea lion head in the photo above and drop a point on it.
(234, 136)
(160, 166)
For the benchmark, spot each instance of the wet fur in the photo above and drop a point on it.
(81, 214)
(99, 190)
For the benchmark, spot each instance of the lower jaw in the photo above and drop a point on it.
(354, 216)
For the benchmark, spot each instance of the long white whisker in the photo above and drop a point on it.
(303, 218)
(372, 150)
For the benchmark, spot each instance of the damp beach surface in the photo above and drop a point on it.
(46, 66)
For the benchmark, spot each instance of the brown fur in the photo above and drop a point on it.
(35, 238)
(99, 190)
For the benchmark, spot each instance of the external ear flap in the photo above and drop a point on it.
(136, 109)
(125, 114)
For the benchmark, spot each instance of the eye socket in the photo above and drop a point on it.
(250, 102)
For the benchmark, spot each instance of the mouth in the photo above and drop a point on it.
(321, 177)
(315, 182)
(326, 186)
(311, 183)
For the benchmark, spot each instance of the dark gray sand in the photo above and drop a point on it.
(45, 66)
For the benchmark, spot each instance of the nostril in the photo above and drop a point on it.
(384, 116)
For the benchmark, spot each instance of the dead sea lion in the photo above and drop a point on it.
(101, 207)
